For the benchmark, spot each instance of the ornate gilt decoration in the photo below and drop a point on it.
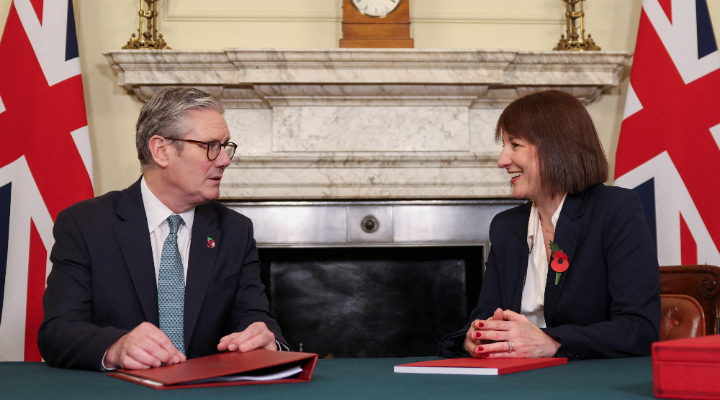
(149, 39)
(575, 41)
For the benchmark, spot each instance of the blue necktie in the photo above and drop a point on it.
(171, 287)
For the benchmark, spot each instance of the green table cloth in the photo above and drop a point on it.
(356, 379)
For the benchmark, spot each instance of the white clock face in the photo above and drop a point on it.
(376, 8)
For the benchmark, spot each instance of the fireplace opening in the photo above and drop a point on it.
(372, 278)
(350, 302)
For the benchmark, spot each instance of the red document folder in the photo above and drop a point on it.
(228, 363)
(687, 368)
(478, 366)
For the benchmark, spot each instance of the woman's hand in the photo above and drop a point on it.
(471, 344)
(527, 339)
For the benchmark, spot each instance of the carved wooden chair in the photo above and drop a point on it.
(690, 300)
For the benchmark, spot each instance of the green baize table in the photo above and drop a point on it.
(361, 378)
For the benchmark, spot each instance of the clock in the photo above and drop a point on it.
(376, 8)
(376, 24)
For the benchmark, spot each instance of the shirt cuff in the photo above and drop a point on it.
(102, 363)
(281, 346)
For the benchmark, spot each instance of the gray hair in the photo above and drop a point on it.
(164, 115)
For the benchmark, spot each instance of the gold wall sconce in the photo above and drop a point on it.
(149, 37)
(575, 29)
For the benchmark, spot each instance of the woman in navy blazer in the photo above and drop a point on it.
(605, 301)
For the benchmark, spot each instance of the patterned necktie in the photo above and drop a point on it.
(171, 287)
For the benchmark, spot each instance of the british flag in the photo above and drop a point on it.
(668, 150)
(45, 158)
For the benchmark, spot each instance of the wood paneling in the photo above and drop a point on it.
(377, 43)
(357, 31)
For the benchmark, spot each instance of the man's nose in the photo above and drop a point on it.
(222, 160)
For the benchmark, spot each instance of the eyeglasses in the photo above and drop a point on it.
(213, 148)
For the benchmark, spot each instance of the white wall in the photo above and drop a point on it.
(215, 24)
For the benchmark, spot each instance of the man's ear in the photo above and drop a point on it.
(159, 148)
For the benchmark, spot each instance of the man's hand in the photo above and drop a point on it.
(144, 347)
(473, 345)
(528, 340)
(256, 336)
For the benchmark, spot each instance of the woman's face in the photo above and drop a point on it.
(520, 160)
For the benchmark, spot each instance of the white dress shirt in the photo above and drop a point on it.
(533, 295)
(157, 214)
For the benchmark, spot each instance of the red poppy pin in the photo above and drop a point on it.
(211, 243)
(560, 262)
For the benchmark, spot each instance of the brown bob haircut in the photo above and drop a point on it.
(570, 155)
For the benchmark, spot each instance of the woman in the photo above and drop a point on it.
(573, 272)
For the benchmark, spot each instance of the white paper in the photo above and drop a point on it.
(267, 377)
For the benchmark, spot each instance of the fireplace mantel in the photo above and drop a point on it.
(366, 123)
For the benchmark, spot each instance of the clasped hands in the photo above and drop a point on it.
(147, 346)
(490, 338)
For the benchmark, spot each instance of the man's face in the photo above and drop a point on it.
(191, 175)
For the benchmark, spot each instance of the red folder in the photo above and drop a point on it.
(687, 368)
(223, 364)
(478, 366)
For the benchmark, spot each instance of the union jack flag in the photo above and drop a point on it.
(45, 158)
(668, 150)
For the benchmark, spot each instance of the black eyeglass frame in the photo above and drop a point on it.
(208, 145)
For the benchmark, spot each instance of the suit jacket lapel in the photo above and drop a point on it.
(516, 271)
(134, 240)
(201, 265)
(567, 236)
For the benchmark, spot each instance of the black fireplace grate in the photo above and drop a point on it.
(371, 302)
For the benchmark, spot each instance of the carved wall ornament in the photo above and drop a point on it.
(575, 29)
(149, 38)
(708, 285)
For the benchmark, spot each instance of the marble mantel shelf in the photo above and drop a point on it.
(366, 123)
(249, 78)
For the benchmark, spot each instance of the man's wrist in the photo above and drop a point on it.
(103, 363)
(108, 361)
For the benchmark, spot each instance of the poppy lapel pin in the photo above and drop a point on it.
(210, 242)
(560, 262)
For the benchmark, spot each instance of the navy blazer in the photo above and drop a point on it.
(102, 283)
(607, 303)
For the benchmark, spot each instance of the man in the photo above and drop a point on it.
(160, 271)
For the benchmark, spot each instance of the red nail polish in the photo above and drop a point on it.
(477, 335)
(479, 349)
(480, 324)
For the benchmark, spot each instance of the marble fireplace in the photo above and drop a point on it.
(370, 175)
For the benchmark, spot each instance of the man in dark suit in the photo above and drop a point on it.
(160, 271)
